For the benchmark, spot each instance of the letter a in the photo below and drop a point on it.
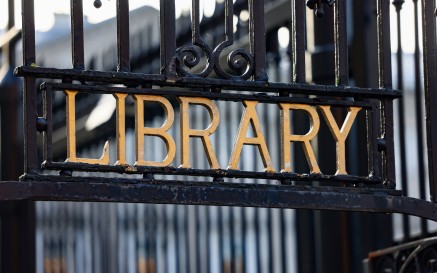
(286, 137)
(250, 117)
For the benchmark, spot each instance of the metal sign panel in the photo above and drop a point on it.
(250, 132)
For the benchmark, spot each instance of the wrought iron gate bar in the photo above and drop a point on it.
(341, 45)
(29, 88)
(168, 37)
(385, 81)
(77, 42)
(298, 41)
(123, 36)
(430, 87)
(257, 38)
(420, 113)
(401, 114)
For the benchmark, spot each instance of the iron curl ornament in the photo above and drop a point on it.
(190, 56)
(240, 61)
(414, 257)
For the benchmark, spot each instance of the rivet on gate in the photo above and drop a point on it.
(41, 124)
(382, 145)
(97, 4)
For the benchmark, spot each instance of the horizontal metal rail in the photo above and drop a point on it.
(225, 194)
(67, 166)
(137, 79)
(205, 92)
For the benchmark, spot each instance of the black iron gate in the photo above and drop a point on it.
(203, 73)
(245, 71)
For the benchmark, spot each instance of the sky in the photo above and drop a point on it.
(45, 10)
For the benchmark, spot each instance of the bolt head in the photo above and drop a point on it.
(311, 4)
(41, 124)
(319, 12)
(97, 4)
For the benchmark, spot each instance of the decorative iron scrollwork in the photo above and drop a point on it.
(239, 61)
(190, 57)
(414, 257)
(318, 6)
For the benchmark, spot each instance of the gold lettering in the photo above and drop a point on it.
(71, 135)
(186, 132)
(161, 132)
(286, 137)
(121, 128)
(340, 135)
(250, 116)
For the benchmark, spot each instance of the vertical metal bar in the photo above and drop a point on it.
(419, 115)
(270, 244)
(257, 39)
(373, 119)
(28, 32)
(197, 238)
(232, 240)
(168, 36)
(77, 44)
(430, 84)
(384, 50)
(222, 139)
(220, 217)
(244, 229)
(139, 226)
(258, 240)
(11, 16)
(29, 98)
(47, 98)
(148, 233)
(298, 41)
(195, 20)
(267, 118)
(163, 229)
(341, 47)
(283, 228)
(208, 231)
(187, 239)
(385, 81)
(401, 118)
(123, 35)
